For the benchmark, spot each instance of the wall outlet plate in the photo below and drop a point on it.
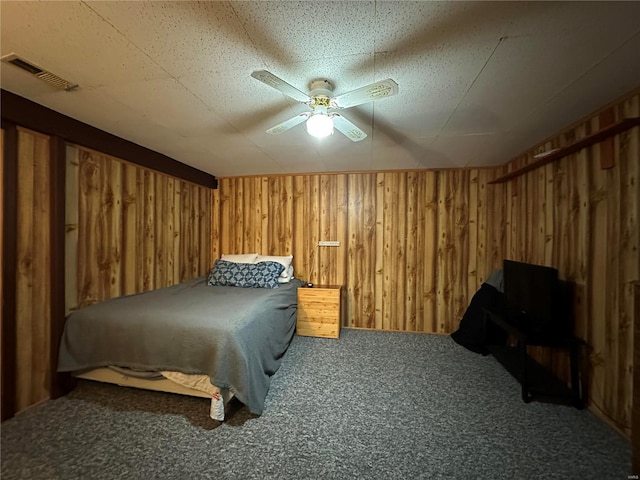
(328, 243)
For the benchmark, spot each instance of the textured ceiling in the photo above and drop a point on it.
(480, 82)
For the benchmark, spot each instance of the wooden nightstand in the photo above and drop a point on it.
(319, 311)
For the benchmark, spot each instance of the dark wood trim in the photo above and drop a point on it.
(607, 118)
(635, 410)
(9, 267)
(59, 383)
(599, 136)
(23, 112)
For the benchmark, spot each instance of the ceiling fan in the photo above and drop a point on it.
(322, 119)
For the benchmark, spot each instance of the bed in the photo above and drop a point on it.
(206, 337)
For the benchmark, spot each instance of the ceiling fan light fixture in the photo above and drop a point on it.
(320, 125)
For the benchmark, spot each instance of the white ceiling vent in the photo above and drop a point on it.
(42, 74)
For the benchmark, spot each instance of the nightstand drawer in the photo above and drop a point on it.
(319, 310)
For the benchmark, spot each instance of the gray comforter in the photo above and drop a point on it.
(236, 336)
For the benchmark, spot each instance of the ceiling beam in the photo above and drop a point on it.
(28, 114)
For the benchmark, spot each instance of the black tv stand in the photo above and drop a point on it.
(536, 381)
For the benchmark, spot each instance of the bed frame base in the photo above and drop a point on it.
(107, 375)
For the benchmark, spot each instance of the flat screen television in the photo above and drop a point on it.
(532, 295)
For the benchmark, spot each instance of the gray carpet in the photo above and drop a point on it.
(370, 405)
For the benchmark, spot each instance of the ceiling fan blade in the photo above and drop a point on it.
(343, 125)
(368, 93)
(287, 124)
(279, 84)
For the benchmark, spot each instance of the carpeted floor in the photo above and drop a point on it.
(367, 406)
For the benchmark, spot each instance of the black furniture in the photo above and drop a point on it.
(536, 381)
(473, 333)
(536, 312)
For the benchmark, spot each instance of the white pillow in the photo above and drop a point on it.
(242, 258)
(285, 261)
(288, 275)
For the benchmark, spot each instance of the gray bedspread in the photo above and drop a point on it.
(236, 336)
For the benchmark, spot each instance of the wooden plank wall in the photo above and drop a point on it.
(1, 233)
(33, 300)
(130, 229)
(415, 245)
(635, 421)
(583, 219)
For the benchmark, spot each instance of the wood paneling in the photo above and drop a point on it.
(583, 219)
(9, 266)
(129, 229)
(32, 280)
(415, 246)
(121, 229)
(410, 254)
(1, 237)
(635, 436)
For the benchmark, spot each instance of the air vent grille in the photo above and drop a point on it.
(50, 78)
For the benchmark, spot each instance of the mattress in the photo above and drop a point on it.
(234, 336)
(165, 381)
